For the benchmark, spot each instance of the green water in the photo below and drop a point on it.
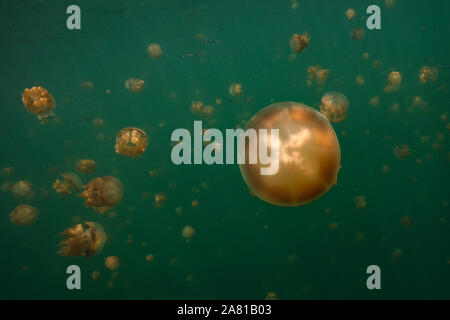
(243, 248)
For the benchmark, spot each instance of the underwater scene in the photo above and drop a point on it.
(195, 149)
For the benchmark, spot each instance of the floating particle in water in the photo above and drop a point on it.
(131, 142)
(395, 107)
(350, 13)
(271, 296)
(154, 50)
(377, 64)
(406, 222)
(402, 152)
(294, 5)
(83, 240)
(333, 225)
(358, 33)
(112, 263)
(22, 189)
(428, 74)
(298, 42)
(85, 165)
(188, 232)
(87, 85)
(23, 215)
(334, 106)
(70, 183)
(134, 84)
(235, 89)
(103, 193)
(38, 100)
(360, 202)
(360, 236)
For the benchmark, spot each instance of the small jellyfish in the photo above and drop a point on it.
(70, 183)
(299, 42)
(358, 33)
(389, 3)
(131, 142)
(197, 107)
(149, 258)
(95, 275)
(103, 193)
(365, 55)
(428, 74)
(360, 81)
(235, 89)
(83, 240)
(154, 50)
(37, 100)
(334, 106)
(385, 168)
(7, 172)
(294, 5)
(23, 215)
(406, 222)
(135, 85)
(317, 73)
(85, 165)
(160, 199)
(188, 232)
(395, 78)
(360, 202)
(397, 255)
(21, 189)
(350, 13)
(402, 152)
(7, 186)
(112, 263)
(87, 85)
(271, 296)
(374, 102)
(98, 122)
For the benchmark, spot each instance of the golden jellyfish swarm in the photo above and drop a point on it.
(86, 165)
(82, 240)
(21, 189)
(70, 183)
(309, 155)
(154, 50)
(112, 263)
(334, 106)
(135, 85)
(235, 89)
(131, 142)
(37, 100)
(103, 193)
(23, 215)
(299, 42)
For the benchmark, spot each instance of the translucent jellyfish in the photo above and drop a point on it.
(389, 3)
(188, 232)
(135, 85)
(271, 296)
(294, 5)
(350, 13)
(95, 275)
(87, 85)
(374, 102)
(160, 199)
(365, 55)
(334, 106)
(7, 186)
(22, 189)
(98, 122)
(7, 172)
(360, 81)
(360, 202)
(309, 155)
(131, 142)
(395, 78)
(397, 255)
(406, 222)
(299, 42)
(37, 100)
(358, 34)
(317, 73)
(82, 240)
(385, 168)
(103, 193)
(86, 165)
(428, 74)
(70, 183)
(112, 263)
(149, 258)
(23, 215)
(402, 152)
(235, 89)
(154, 50)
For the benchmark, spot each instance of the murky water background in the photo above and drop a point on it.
(243, 247)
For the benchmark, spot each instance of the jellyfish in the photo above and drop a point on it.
(428, 74)
(402, 152)
(197, 107)
(103, 193)
(358, 33)
(7, 186)
(360, 202)
(154, 50)
(271, 296)
(135, 85)
(299, 42)
(395, 78)
(375, 101)
(397, 255)
(7, 172)
(87, 85)
(149, 258)
(86, 165)
(131, 142)
(235, 89)
(334, 106)
(406, 222)
(22, 189)
(365, 55)
(23, 215)
(350, 13)
(308, 155)
(112, 263)
(37, 100)
(82, 240)
(70, 183)
(160, 199)
(360, 81)
(95, 275)
(98, 122)
(389, 3)
(188, 232)
(317, 73)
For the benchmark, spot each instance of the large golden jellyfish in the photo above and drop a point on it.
(334, 106)
(103, 193)
(70, 183)
(37, 100)
(299, 42)
(23, 215)
(83, 240)
(131, 142)
(308, 151)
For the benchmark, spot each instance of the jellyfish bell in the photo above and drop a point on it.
(188, 232)
(23, 215)
(428, 74)
(21, 189)
(334, 106)
(69, 183)
(135, 85)
(112, 262)
(350, 13)
(154, 50)
(131, 142)
(103, 193)
(299, 42)
(83, 240)
(358, 33)
(37, 100)
(308, 155)
(85, 165)
(98, 122)
(395, 78)
(235, 89)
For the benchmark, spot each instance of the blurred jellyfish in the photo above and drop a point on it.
(402, 152)
(7, 186)
(86, 165)
(360, 81)
(188, 232)
(317, 73)
(37, 100)
(271, 296)
(98, 122)
(149, 258)
(23, 215)
(333, 225)
(154, 50)
(131, 142)
(375, 101)
(385, 168)
(377, 64)
(406, 222)
(87, 85)
(334, 106)
(70, 183)
(194, 203)
(294, 5)
(360, 202)
(299, 42)
(7, 172)
(397, 254)
(365, 55)
(235, 89)
(83, 240)
(134, 84)
(160, 199)
(428, 74)
(389, 3)
(358, 34)
(179, 210)
(21, 189)
(103, 193)
(350, 13)
(395, 78)
(95, 275)
(112, 263)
